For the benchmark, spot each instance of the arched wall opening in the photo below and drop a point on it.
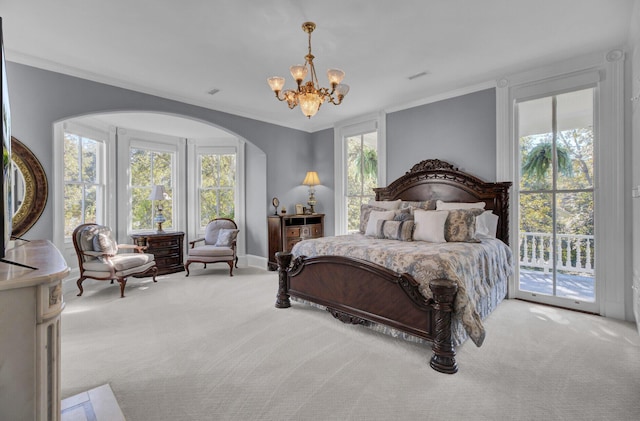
(187, 132)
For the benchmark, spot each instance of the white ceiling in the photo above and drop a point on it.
(183, 49)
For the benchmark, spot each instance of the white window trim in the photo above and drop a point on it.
(609, 165)
(91, 129)
(360, 125)
(203, 146)
(127, 139)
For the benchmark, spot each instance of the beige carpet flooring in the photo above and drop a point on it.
(211, 347)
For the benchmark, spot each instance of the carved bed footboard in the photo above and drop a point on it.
(358, 292)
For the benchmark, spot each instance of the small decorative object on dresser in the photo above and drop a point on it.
(287, 230)
(167, 247)
(275, 202)
(299, 209)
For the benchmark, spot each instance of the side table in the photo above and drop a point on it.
(167, 247)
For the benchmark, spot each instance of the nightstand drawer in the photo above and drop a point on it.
(316, 230)
(293, 232)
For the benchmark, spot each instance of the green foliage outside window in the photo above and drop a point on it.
(217, 187)
(82, 184)
(149, 168)
(362, 175)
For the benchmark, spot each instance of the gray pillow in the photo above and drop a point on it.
(226, 237)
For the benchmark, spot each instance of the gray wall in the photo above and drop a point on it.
(322, 151)
(40, 98)
(460, 130)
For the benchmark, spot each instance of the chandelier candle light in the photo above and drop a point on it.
(310, 95)
(311, 180)
(157, 194)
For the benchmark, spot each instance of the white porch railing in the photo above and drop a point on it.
(575, 252)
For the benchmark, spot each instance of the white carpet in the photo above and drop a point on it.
(212, 347)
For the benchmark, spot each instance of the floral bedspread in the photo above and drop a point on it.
(481, 270)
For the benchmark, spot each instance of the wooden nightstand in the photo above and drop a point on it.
(286, 230)
(167, 248)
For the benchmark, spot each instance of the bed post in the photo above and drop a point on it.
(284, 261)
(443, 359)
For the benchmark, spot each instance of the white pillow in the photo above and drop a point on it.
(429, 225)
(440, 205)
(487, 224)
(386, 204)
(374, 217)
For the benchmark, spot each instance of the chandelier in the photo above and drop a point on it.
(310, 95)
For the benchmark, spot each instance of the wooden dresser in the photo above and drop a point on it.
(287, 230)
(167, 247)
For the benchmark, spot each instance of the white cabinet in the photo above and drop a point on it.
(30, 306)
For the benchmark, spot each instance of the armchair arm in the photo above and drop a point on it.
(193, 243)
(138, 249)
(96, 254)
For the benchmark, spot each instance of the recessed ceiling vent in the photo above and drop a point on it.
(417, 75)
(213, 91)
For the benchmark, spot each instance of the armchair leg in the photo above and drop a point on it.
(186, 267)
(79, 283)
(155, 272)
(123, 282)
(230, 262)
(236, 262)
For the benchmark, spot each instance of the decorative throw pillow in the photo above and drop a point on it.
(487, 224)
(440, 205)
(429, 225)
(226, 237)
(385, 204)
(461, 225)
(103, 243)
(395, 230)
(365, 211)
(424, 204)
(403, 215)
(374, 217)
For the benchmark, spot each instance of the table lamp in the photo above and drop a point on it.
(311, 180)
(157, 194)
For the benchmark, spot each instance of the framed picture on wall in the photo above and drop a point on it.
(299, 209)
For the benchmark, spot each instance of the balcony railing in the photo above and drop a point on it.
(575, 252)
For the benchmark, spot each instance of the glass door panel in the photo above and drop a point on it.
(556, 200)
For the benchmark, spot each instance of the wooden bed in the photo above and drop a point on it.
(359, 292)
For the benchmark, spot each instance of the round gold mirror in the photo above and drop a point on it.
(29, 187)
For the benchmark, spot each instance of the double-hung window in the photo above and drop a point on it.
(83, 181)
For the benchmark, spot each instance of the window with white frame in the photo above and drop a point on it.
(148, 168)
(360, 150)
(216, 184)
(83, 181)
(361, 174)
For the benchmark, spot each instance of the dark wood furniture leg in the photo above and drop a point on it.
(284, 261)
(443, 359)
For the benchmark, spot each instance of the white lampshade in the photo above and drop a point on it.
(335, 76)
(276, 83)
(342, 89)
(299, 72)
(311, 179)
(157, 193)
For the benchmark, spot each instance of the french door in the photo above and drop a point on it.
(556, 201)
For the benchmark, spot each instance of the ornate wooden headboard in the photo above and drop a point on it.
(434, 179)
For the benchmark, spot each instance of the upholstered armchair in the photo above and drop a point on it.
(218, 245)
(100, 257)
